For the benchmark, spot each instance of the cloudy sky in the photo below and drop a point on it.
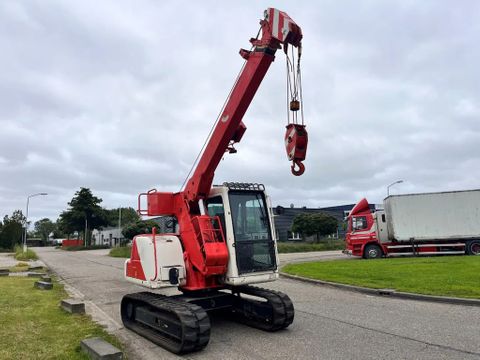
(118, 96)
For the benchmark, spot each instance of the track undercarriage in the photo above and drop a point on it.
(181, 324)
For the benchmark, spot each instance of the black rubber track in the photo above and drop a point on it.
(190, 321)
(274, 313)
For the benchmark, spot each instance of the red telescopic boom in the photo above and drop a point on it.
(277, 29)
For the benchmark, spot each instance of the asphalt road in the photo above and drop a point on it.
(329, 323)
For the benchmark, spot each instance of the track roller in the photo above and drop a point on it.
(175, 325)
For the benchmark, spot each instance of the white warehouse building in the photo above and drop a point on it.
(108, 236)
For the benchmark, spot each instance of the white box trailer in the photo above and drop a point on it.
(453, 215)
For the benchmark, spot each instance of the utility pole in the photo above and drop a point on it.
(85, 234)
(119, 225)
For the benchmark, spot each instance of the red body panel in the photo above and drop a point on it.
(162, 202)
(134, 265)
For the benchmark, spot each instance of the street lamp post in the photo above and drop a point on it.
(26, 219)
(396, 182)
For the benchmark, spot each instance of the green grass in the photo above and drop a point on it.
(82, 248)
(121, 252)
(292, 247)
(24, 256)
(34, 326)
(457, 276)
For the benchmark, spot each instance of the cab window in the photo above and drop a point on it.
(215, 208)
(359, 223)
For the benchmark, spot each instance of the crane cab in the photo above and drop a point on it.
(235, 234)
(247, 224)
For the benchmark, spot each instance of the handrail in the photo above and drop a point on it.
(154, 233)
(141, 211)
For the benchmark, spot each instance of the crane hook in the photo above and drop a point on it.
(301, 168)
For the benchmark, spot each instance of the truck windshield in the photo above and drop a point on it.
(359, 223)
(254, 244)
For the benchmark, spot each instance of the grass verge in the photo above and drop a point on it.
(34, 326)
(455, 276)
(24, 256)
(293, 247)
(121, 252)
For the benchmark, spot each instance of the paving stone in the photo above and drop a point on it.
(99, 349)
(46, 278)
(73, 306)
(43, 285)
(36, 274)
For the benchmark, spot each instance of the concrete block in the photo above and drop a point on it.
(73, 306)
(31, 268)
(99, 349)
(43, 285)
(46, 278)
(36, 274)
(4, 272)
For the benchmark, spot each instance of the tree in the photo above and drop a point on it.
(139, 227)
(84, 214)
(319, 224)
(66, 224)
(12, 230)
(44, 227)
(129, 216)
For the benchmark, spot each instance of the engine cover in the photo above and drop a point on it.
(156, 261)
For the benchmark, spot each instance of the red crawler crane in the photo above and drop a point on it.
(224, 236)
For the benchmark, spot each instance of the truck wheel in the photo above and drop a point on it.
(473, 247)
(372, 251)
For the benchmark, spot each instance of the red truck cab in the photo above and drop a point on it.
(361, 237)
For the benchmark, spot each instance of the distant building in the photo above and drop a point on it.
(111, 236)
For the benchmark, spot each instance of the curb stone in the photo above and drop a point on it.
(99, 349)
(387, 292)
(43, 285)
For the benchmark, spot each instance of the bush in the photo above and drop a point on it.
(24, 256)
(139, 227)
